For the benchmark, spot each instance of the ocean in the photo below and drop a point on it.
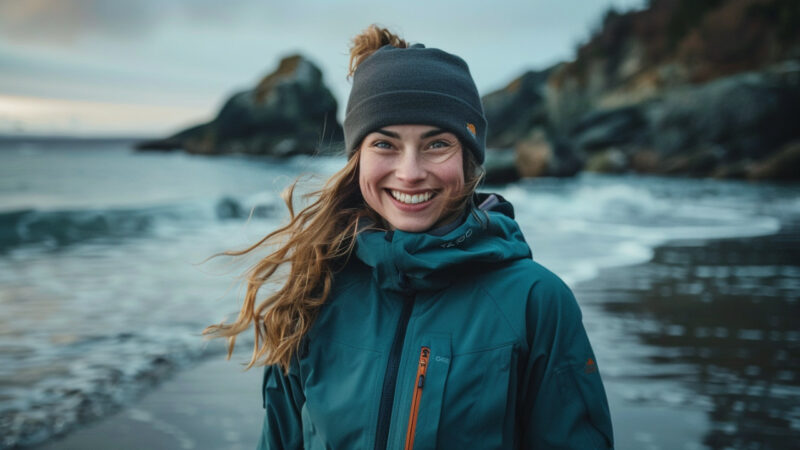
(105, 285)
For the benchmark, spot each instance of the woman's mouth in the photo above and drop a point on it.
(411, 199)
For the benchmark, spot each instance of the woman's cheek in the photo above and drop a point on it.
(370, 173)
(451, 174)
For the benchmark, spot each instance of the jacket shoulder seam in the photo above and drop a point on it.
(502, 313)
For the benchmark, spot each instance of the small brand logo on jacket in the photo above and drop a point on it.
(457, 241)
(590, 366)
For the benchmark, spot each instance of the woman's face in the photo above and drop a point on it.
(408, 174)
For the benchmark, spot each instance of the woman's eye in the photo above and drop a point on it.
(439, 144)
(382, 144)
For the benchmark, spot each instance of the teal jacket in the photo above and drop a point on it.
(462, 335)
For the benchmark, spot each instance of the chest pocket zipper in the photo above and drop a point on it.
(419, 383)
(425, 414)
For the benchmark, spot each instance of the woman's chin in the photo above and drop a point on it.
(420, 224)
(412, 225)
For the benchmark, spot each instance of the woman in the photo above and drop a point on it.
(413, 315)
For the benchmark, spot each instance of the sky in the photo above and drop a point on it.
(149, 68)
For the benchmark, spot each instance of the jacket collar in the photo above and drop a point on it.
(409, 262)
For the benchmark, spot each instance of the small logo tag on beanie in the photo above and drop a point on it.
(471, 129)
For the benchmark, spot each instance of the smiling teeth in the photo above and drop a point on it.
(412, 199)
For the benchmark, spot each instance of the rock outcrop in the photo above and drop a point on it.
(516, 109)
(289, 112)
(681, 87)
(517, 137)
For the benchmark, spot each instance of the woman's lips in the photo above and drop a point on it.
(423, 199)
(411, 198)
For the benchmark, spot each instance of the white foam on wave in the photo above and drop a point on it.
(579, 226)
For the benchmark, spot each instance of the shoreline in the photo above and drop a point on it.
(210, 404)
(663, 331)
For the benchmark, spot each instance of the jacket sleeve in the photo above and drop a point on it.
(283, 400)
(564, 403)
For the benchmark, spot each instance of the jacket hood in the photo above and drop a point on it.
(403, 261)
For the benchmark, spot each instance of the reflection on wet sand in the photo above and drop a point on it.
(720, 322)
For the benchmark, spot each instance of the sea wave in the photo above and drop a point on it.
(60, 228)
(578, 227)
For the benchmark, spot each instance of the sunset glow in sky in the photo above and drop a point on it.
(149, 68)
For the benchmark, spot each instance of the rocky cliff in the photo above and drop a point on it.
(682, 87)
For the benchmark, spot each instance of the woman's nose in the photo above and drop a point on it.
(411, 167)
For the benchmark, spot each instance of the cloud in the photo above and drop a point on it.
(49, 115)
(63, 22)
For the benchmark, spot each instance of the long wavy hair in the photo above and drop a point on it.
(315, 243)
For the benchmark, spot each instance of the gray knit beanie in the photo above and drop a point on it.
(415, 85)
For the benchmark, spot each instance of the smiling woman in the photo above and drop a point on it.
(412, 313)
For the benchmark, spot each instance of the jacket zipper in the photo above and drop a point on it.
(390, 378)
(419, 383)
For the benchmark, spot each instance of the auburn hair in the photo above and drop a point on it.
(313, 245)
(368, 41)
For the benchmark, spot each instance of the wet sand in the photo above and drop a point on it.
(211, 405)
(699, 348)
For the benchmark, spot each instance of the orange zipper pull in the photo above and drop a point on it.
(419, 382)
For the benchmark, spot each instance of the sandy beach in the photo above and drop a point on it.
(211, 405)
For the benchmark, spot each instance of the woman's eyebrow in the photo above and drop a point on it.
(428, 134)
(433, 133)
(388, 133)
